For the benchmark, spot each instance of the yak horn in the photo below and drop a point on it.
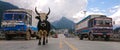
(48, 12)
(36, 11)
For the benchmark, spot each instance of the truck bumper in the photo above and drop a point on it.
(14, 32)
(109, 34)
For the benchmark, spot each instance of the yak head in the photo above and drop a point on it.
(42, 16)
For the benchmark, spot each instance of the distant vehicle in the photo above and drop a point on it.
(55, 36)
(66, 35)
(17, 22)
(95, 26)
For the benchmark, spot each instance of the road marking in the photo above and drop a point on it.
(60, 44)
(70, 45)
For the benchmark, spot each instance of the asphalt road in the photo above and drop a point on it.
(60, 43)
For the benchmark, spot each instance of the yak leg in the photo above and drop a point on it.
(39, 43)
(40, 37)
(47, 38)
(44, 40)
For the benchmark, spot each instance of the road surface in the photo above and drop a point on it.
(60, 43)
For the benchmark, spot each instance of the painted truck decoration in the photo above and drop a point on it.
(95, 26)
(17, 22)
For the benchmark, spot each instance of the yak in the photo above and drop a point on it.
(43, 26)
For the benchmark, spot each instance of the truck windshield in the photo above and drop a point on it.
(108, 22)
(18, 16)
(8, 16)
(14, 16)
(103, 22)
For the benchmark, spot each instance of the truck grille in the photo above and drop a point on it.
(103, 30)
(10, 25)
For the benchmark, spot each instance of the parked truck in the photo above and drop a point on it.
(95, 26)
(17, 23)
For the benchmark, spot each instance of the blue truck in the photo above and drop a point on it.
(95, 26)
(17, 23)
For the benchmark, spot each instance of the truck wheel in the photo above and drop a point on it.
(81, 37)
(91, 37)
(37, 37)
(107, 38)
(8, 37)
(27, 36)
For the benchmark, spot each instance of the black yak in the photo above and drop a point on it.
(43, 26)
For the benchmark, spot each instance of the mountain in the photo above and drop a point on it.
(5, 6)
(64, 23)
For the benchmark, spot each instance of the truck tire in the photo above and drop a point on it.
(8, 37)
(37, 37)
(91, 37)
(27, 36)
(107, 38)
(81, 37)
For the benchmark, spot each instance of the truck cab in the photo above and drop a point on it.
(95, 26)
(100, 27)
(15, 23)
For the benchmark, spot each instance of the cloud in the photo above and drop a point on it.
(94, 9)
(114, 9)
(102, 2)
(59, 8)
(79, 16)
(116, 16)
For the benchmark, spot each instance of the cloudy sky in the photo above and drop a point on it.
(72, 9)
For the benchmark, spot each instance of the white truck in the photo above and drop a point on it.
(95, 26)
